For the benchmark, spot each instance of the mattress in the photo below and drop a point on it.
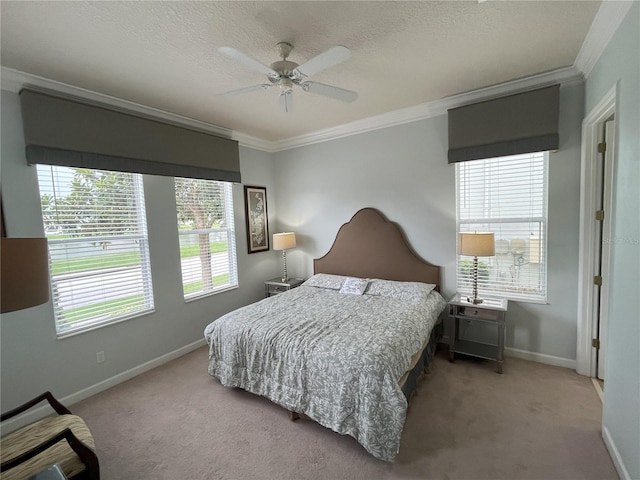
(337, 358)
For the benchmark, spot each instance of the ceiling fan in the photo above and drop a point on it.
(284, 74)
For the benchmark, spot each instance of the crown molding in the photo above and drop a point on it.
(605, 23)
(253, 142)
(15, 80)
(564, 76)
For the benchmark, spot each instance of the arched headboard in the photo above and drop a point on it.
(370, 246)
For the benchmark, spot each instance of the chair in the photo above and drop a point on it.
(62, 439)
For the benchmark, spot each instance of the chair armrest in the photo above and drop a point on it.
(86, 455)
(55, 404)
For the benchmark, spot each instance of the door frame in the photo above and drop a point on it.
(592, 128)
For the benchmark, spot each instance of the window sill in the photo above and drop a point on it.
(210, 294)
(511, 298)
(90, 328)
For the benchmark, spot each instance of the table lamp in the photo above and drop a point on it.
(284, 241)
(476, 244)
(25, 273)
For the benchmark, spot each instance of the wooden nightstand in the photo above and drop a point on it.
(492, 310)
(276, 285)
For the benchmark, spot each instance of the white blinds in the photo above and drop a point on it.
(207, 236)
(507, 196)
(98, 250)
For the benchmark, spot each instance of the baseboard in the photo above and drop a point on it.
(615, 455)
(41, 412)
(541, 358)
(598, 389)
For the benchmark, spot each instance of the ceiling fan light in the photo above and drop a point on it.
(285, 84)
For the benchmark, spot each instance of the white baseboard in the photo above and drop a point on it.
(541, 358)
(41, 412)
(598, 388)
(615, 455)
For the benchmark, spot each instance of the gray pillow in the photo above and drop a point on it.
(325, 280)
(399, 290)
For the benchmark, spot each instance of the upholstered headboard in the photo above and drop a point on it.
(370, 246)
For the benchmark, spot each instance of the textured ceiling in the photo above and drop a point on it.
(165, 54)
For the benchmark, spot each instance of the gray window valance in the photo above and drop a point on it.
(521, 123)
(70, 132)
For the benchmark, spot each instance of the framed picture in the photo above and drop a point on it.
(255, 202)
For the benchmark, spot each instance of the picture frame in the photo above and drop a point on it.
(257, 218)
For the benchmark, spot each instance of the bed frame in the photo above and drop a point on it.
(370, 246)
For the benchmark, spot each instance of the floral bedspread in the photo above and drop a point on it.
(332, 356)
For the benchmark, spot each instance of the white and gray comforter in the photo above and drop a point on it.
(332, 356)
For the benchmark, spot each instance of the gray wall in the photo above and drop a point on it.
(620, 65)
(34, 360)
(403, 172)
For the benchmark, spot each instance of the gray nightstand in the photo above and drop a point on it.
(492, 311)
(276, 285)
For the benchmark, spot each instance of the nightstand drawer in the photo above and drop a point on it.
(276, 285)
(273, 289)
(475, 312)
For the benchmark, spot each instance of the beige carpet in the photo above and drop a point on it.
(466, 422)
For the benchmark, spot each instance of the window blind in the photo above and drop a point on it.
(507, 196)
(521, 123)
(96, 230)
(72, 132)
(207, 236)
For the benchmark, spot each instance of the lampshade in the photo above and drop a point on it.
(25, 273)
(284, 241)
(476, 244)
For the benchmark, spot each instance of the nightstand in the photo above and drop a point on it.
(492, 311)
(276, 285)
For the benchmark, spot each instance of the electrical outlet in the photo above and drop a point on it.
(100, 357)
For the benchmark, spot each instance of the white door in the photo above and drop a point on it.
(603, 253)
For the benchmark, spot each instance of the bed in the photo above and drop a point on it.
(347, 347)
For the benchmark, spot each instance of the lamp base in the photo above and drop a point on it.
(475, 301)
(284, 277)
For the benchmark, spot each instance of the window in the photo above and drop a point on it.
(96, 228)
(507, 196)
(207, 236)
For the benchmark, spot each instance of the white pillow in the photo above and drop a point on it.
(354, 286)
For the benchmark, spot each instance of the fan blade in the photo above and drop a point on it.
(240, 91)
(286, 101)
(327, 59)
(248, 61)
(329, 91)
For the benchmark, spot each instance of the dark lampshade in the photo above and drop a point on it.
(25, 273)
